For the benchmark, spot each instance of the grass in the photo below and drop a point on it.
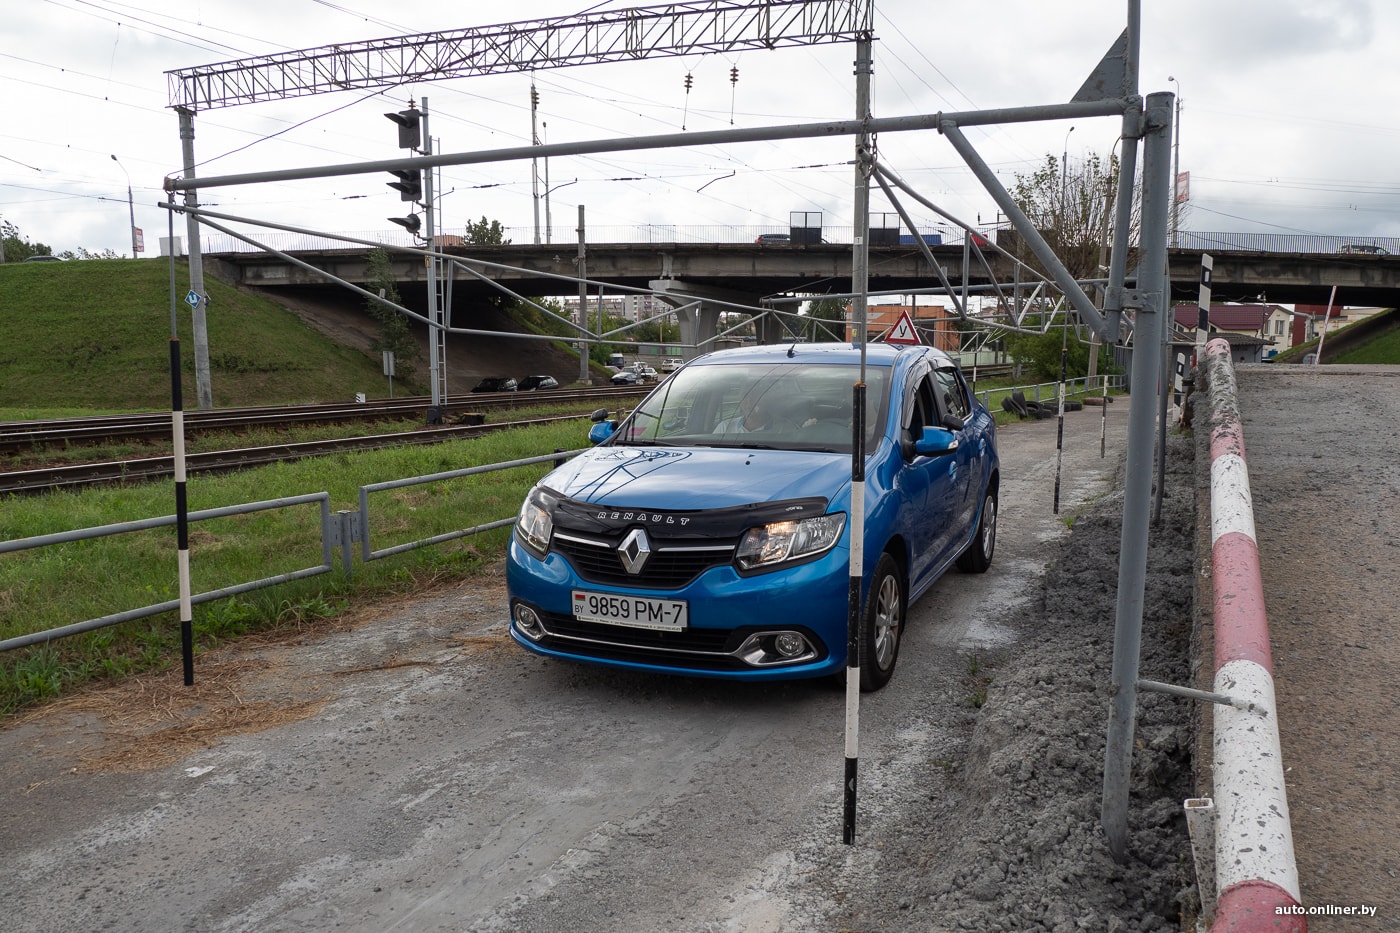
(60, 584)
(80, 334)
(1385, 349)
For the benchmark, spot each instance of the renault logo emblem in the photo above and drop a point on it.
(634, 550)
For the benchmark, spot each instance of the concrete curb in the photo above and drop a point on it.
(1255, 871)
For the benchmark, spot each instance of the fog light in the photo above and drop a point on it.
(527, 622)
(789, 644)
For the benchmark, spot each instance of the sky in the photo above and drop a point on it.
(1287, 117)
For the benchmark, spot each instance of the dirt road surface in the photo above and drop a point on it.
(409, 768)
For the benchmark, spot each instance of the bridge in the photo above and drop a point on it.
(747, 271)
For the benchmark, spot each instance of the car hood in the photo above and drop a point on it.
(699, 478)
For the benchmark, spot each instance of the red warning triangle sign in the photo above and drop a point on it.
(903, 331)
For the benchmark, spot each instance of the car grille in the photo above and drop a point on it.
(598, 561)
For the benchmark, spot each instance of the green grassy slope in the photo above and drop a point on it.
(95, 335)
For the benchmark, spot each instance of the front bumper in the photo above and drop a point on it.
(733, 620)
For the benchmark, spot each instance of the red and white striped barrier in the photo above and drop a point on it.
(1255, 870)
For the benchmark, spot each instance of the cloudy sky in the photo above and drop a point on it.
(1288, 121)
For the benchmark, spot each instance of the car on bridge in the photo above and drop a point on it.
(773, 239)
(1365, 249)
(708, 533)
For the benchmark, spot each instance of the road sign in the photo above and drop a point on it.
(903, 331)
(192, 299)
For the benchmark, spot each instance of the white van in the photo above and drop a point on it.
(670, 364)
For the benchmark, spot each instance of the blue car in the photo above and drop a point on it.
(708, 533)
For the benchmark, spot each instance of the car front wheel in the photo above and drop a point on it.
(882, 625)
(978, 556)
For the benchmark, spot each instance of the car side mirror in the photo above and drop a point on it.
(935, 442)
(601, 431)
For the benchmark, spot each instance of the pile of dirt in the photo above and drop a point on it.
(1028, 853)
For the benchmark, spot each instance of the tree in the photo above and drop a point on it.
(1072, 207)
(486, 233)
(15, 247)
(827, 319)
(394, 333)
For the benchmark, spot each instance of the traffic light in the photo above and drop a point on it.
(411, 223)
(409, 184)
(409, 121)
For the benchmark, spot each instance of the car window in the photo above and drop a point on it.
(952, 394)
(783, 406)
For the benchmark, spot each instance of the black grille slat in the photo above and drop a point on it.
(666, 570)
(690, 649)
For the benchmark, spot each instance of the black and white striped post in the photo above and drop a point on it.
(177, 430)
(853, 611)
(860, 273)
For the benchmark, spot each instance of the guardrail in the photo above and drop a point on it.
(82, 534)
(341, 530)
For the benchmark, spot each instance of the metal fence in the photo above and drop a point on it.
(341, 530)
(329, 533)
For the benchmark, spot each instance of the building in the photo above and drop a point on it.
(935, 324)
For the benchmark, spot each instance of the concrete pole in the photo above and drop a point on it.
(1142, 416)
(582, 300)
(437, 337)
(204, 392)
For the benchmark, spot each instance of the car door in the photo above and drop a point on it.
(930, 484)
(952, 399)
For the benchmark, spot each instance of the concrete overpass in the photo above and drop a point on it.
(770, 270)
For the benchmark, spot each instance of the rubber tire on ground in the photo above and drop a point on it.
(978, 556)
(882, 624)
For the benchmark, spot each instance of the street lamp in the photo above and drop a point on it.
(1064, 181)
(1176, 164)
(130, 204)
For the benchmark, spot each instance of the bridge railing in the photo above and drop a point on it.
(722, 233)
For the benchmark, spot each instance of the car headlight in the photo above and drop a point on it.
(781, 542)
(536, 521)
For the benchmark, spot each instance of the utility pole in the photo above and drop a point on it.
(196, 298)
(1176, 164)
(582, 301)
(130, 204)
(535, 162)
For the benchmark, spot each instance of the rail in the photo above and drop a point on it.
(328, 533)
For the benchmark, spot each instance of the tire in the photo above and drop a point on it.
(978, 556)
(882, 625)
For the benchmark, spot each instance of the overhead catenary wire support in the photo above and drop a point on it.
(725, 26)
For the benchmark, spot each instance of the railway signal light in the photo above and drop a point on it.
(411, 223)
(409, 184)
(410, 123)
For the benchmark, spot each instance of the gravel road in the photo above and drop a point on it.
(408, 768)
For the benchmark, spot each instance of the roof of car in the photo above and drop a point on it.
(876, 354)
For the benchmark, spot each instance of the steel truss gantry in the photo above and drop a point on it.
(586, 39)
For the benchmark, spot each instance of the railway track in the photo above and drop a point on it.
(46, 479)
(26, 436)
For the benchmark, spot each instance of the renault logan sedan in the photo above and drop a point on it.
(709, 532)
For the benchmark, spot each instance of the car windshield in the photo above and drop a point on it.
(779, 406)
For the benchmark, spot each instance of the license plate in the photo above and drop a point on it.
(665, 615)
